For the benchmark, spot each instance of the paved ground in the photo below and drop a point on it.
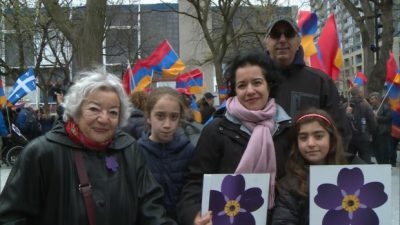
(395, 190)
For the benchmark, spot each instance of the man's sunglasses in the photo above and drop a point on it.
(275, 34)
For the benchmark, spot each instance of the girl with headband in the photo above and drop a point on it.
(315, 141)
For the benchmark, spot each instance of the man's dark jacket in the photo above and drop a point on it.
(302, 87)
(362, 109)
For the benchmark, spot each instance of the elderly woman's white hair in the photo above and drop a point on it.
(91, 81)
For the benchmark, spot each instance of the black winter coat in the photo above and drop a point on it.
(219, 150)
(42, 188)
(168, 163)
(302, 87)
(290, 207)
(384, 120)
(363, 110)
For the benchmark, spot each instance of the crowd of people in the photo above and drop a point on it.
(140, 159)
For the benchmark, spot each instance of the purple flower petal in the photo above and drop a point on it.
(373, 195)
(217, 201)
(329, 196)
(243, 218)
(350, 180)
(335, 217)
(111, 163)
(365, 216)
(233, 186)
(251, 199)
(220, 220)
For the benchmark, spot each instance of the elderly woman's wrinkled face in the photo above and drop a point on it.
(99, 115)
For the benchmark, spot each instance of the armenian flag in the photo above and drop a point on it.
(391, 68)
(192, 81)
(196, 110)
(394, 93)
(164, 60)
(360, 79)
(137, 78)
(223, 92)
(330, 53)
(307, 23)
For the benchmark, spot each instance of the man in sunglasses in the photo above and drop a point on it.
(301, 86)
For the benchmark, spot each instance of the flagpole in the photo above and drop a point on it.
(383, 100)
(8, 119)
(131, 76)
(38, 98)
(138, 31)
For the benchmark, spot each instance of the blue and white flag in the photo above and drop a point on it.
(25, 83)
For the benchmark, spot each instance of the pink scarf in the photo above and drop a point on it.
(259, 156)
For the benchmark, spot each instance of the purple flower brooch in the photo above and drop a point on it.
(111, 163)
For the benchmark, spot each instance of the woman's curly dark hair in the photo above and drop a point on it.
(270, 72)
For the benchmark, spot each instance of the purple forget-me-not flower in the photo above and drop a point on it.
(233, 204)
(350, 201)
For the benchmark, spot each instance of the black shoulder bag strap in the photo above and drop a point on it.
(85, 188)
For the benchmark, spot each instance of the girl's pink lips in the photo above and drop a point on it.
(312, 152)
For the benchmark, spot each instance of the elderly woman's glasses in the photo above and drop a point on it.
(276, 34)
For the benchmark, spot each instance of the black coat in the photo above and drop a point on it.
(219, 150)
(302, 87)
(290, 207)
(168, 162)
(384, 120)
(363, 110)
(43, 186)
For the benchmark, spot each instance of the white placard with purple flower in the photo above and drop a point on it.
(236, 199)
(350, 195)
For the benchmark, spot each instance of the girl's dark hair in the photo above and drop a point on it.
(270, 72)
(296, 165)
(157, 93)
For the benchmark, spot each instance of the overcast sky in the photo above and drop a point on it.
(301, 3)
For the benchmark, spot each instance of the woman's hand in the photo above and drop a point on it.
(203, 220)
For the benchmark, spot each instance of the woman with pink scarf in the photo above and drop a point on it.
(249, 136)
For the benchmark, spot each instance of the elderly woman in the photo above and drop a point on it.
(248, 138)
(84, 171)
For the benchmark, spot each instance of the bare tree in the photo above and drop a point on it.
(53, 60)
(84, 30)
(364, 18)
(32, 40)
(236, 25)
(17, 37)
